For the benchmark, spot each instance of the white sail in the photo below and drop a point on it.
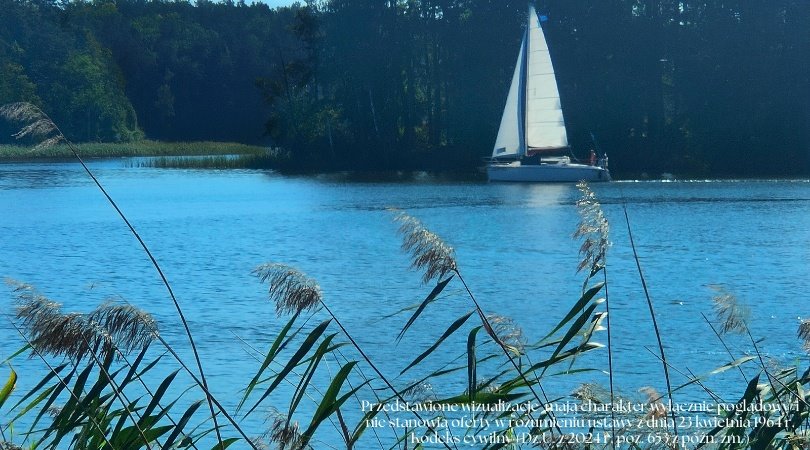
(545, 126)
(509, 141)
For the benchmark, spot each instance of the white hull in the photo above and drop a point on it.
(546, 173)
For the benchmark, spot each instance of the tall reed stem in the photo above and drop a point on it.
(610, 361)
(652, 317)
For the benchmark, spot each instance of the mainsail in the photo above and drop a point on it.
(510, 140)
(532, 118)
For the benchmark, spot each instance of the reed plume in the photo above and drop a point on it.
(657, 409)
(286, 435)
(57, 334)
(593, 229)
(590, 392)
(804, 333)
(428, 251)
(127, 326)
(109, 328)
(51, 331)
(291, 290)
(37, 124)
(730, 313)
(508, 332)
(420, 393)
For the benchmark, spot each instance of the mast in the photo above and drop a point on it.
(522, 105)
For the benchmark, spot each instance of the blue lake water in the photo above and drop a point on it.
(209, 229)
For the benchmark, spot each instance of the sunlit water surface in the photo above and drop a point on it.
(210, 229)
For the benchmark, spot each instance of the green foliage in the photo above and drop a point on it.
(139, 148)
(70, 73)
(701, 88)
(697, 88)
(8, 387)
(95, 107)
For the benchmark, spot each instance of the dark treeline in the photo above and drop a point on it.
(109, 71)
(692, 87)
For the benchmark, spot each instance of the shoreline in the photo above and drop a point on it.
(130, 149)
(232, 155)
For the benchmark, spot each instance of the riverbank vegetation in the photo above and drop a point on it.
(139, 148)
(704, 88)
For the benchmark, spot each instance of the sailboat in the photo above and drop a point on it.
(532, 142)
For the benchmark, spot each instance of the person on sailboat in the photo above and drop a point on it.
(603, 161)
(593, 158)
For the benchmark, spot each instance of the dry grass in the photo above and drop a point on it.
(428, 251)
(284, 434)
(109, 329)
(290, 290)
(37, 126)
(593, 229)
(508, 332)
(55, 149)
(731, 314)
(804, 333)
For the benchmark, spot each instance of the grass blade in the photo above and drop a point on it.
(450, 330)
(330, 402)
(225, 444)
(158, 395)
(472, 377)
(574, 330)
(24, 349)
(39, 386)
(271, 354)
(181, 424)
(8, 387)
(362, 425)
(296, 358)
(300, 390)
(577, 308)
(428, 300)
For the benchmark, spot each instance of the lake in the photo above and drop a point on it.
(209, 229)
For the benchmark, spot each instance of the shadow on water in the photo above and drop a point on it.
(40, 176)
(399, 177)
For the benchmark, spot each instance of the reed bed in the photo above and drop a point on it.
(139, 148)
(102, 390)
(250, 161)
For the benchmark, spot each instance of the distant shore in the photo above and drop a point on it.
(139, 148)
(231, 155)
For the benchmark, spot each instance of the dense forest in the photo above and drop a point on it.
(708, 88)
